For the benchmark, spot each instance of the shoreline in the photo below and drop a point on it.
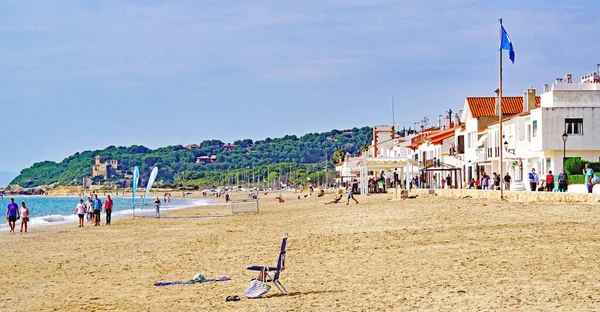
(57, 219)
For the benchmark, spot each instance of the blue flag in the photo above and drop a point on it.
(506, 44)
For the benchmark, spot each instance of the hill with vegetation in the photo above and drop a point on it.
(254, 161)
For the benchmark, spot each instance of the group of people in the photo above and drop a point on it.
(446, 182)
(350, 194)
(484, 182)
(494, 183)
(92, 209)
(548, 184)
(13, 213)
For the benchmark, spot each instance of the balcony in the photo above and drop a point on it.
(481, 155)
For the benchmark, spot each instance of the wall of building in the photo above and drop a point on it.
(471, 138)
(382, 139)
(551, 126)
(571, 95)
(484, 122)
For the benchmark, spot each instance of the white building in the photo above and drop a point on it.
(479, 139)
(383, 141)
(571, 108)
(533, 138)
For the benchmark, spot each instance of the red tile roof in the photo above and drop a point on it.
(438, 138)
(486, 106)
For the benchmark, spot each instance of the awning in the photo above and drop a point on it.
(482, 140)
(388, 163)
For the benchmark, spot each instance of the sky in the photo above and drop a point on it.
(81, 75)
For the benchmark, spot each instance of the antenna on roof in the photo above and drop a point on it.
(393, 114)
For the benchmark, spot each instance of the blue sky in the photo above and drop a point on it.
(81, 75)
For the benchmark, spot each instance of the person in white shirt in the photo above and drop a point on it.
(89, 208)
(80, 211)
(350, 194)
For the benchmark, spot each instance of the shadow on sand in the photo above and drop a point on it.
(302, 293)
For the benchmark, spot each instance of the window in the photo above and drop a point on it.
(549, 165)
(574, 125)
(528, 133)
(461, 144)
(534, 128)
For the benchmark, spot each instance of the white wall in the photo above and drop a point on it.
(470, 147)
(551, 126)
(570, 96)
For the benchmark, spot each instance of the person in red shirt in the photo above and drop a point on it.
(549, 182)
(108, 206)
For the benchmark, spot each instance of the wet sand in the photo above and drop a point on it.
(429, 253)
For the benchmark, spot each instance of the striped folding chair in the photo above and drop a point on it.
(271, 274)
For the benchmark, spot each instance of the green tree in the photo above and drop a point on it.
(338, 156)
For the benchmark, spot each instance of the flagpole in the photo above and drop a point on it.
(501, 138)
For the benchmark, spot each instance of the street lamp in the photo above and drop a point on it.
(565, 136)
(508, 150)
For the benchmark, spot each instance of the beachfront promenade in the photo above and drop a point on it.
(576, 193)
(422, 254)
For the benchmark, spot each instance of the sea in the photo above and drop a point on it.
(46, 210)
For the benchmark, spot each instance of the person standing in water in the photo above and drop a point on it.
(157, 207)
(12, 214)
(24, 216)
(108, 206)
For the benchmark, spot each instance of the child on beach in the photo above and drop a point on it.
(350, 195)
(80, 211)
(24, 216)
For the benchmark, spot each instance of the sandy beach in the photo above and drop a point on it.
(424, 254)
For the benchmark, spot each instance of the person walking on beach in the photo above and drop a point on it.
(80, 210)
(549, 182)
(24, 216)
(89, 208)
(563, 181)
(350, 195)
(157, 207)
(12, 214)
(108, 206)
(534, 180)
(97, 210)
(449, 182)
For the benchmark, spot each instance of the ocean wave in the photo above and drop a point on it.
(52, 219)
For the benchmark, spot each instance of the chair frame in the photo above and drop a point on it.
(271, 274)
